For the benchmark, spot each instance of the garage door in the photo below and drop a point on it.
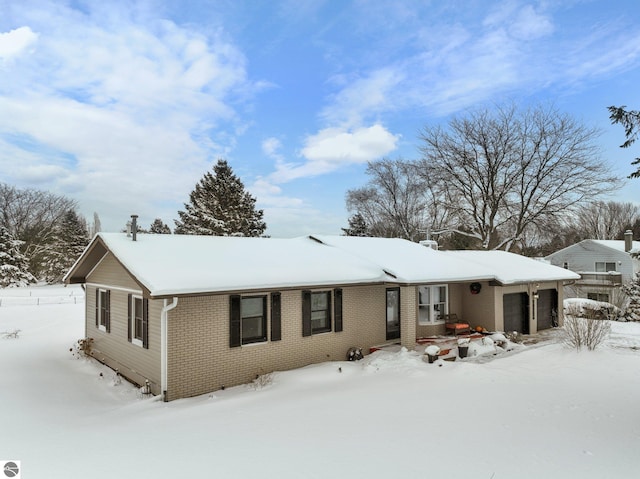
(547, 308)
(516, 315)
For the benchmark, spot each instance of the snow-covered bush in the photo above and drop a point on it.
(589, 308)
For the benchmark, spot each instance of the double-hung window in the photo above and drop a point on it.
(138, 321)
(103, 310)
(432, 303)
(253, 314)
(248, 319)
(319, 313)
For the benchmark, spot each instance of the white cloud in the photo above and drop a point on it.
(140, 105)
(334, 148)
(270, 147)
(363, 97)
(15, 42)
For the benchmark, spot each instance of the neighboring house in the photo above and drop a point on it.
(603, 265)
(193, 314)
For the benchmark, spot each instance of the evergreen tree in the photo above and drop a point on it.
(357, 226)
(220, 206)
(632, 290)
(71, 238)
(160, 228)
(13, 264)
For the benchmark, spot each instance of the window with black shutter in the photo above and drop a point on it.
(316, 312)
(248, 320)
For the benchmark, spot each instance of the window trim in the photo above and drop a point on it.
(134, 339)
(103, 311)
(131, 320)
(264, 336)
(328, 316)
(430, 321)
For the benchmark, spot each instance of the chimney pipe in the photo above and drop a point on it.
(134, 226)
(628, 241)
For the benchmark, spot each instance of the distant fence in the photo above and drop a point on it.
(30, 297)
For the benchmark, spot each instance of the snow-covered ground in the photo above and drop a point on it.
(541, 411)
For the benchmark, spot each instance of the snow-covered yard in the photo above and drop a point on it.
(541, 412)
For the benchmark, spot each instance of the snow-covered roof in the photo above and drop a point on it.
(189, 264)
(167, 265)
(409, 262)
(510, 268)
(618, 245)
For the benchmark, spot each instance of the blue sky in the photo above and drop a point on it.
(124, 105)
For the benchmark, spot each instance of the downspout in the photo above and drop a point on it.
(164, 338)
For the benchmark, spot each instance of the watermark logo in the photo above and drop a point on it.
(11, 469)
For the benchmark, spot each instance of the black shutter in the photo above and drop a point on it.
(276, 326)
(145, 323)
(107, 311)
(306, 313)
(337, 309)
(129, 319)
(97, 308)
(235, 338)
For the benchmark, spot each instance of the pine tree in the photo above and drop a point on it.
(357, 226)
(13, 264)
(71, 238)
(159, 227)
(220, 206)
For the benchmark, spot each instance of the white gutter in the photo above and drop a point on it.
(164, 334)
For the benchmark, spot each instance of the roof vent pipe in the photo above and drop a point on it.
(134, 226)
(628, 240)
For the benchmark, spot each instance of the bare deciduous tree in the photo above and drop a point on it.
(395, 202)
(606, 220)
(505, 172)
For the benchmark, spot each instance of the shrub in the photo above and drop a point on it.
(586, 332)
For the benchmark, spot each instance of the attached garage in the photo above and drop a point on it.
(516, 312)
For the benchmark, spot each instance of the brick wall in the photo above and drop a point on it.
(200, 359)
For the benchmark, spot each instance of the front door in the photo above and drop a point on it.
(393, 313)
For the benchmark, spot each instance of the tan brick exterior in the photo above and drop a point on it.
(200, 359)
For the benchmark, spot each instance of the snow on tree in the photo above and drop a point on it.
(159, 227)
(357, 226)
(14, 265)
(31, 216)
(220, 206)
(632, 290)
(71, 238)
